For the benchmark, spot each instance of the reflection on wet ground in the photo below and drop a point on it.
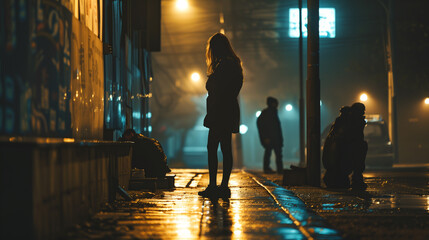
(399, 190)
(254, 211)
(395, 206)
(400, 201)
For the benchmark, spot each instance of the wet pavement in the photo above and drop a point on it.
(395, 206)
(257, 209)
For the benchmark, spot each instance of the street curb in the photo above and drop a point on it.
(308, 222)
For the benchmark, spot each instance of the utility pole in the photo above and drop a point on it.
(393, 120)
(301, 95)
(313, 95)
(391, 80)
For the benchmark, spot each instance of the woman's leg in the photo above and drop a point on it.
(225, 146)
(212, 145)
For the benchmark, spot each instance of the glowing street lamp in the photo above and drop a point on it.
(427, 101)
(363, 97)
(243, 129)
(288, 107)
(195, 77)
(182, 5)
(258, 113)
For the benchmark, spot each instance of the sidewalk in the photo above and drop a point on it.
(388, 209)
(257, 209)
(261, 209)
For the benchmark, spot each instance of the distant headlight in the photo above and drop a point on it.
(389, 143)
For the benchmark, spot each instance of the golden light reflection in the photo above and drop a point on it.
(427, 202)
(236, 209)
(233, 183)
(185, 221)
(392, 202)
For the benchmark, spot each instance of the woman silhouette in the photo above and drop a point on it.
(225, 79)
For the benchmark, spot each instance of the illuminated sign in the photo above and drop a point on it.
(326, 22)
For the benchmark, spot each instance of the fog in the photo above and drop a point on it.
(351, 63)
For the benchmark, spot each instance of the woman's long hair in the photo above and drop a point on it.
(218, 48)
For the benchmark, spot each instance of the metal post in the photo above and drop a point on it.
(391, 81)
(393, 123)
(313, 95)
(301, 95)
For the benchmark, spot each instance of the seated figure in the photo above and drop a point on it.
(147, 154)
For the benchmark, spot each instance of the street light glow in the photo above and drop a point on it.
(195, 77)
(427, 101)
(243, 129)
(288, 107)
(258, 113)
(182, 5)
(363, 97)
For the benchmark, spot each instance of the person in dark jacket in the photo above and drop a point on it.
(225, 79)
(270, 134)
(358, 147)
(147, 154)
(335, 156)
(345, 149)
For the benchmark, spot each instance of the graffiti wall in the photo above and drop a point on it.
(51, 76)
(50, 39)
(57, 79)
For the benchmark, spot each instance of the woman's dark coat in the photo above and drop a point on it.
(223, 86)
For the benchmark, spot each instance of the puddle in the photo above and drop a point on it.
(401, 201)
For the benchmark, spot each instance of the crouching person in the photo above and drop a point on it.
(345, 149)
(358, 147)
(335, 157)
(147, 154)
